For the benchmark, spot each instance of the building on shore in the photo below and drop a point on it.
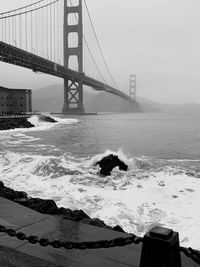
(15, 101)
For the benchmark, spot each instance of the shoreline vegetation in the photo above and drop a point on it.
(48, 206)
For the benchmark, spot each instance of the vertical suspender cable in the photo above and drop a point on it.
(57, 33)
(15, 31)
(31, 18)
(101, 52)
(9, 30)
(54, 30)
(20, 31)
(36, 31)
(5, 30)
(40, 31)
(2, 31)
(13, 38)
(26, 31)
(50, 22)
(47, 37)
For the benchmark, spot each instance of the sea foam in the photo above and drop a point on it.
(137, 200)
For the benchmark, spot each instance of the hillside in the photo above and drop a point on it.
(50, 99)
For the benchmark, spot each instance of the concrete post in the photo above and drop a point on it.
(73, 90)
(160, 248)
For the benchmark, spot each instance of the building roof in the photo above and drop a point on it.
(5, 89)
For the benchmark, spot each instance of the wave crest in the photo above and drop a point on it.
(121, 155)
(41, 124)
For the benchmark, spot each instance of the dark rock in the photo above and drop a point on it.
(96, 222)
(118, 228)
(8, 193)
(109, 162)
(64, 211)
(75, 215)
(46, 206)
(46, 119)
(190, 173)
(12, 123)
(21, 195)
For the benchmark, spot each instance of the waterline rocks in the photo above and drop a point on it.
(11, 194)
(45, 118)
(48, 206)
(13, 123)
(75, 215)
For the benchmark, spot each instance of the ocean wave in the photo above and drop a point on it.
(121, 155)
(42, 125)
(138, 199)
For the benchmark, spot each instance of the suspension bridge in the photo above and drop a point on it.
(47, 36)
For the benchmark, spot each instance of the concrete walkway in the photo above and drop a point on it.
(16, 253)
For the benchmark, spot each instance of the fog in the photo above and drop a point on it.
(158, 40)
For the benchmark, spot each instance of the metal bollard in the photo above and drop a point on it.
(160, 248)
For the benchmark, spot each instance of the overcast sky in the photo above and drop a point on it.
(158, 40)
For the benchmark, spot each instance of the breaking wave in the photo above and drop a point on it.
(152, 192)
(43, 125)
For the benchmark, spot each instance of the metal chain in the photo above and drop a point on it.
(121, 241)
(191, 253)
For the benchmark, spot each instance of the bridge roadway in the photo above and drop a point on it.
(16, 56)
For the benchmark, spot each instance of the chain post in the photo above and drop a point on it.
(160, 248)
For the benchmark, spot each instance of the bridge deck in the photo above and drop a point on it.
(16, 56)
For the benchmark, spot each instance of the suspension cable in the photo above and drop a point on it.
(25, 12)
(11, 11)
(95, 34)
(93, 59)
(90, 50)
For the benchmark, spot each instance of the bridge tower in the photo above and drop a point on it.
(132, 92)
(73, 89)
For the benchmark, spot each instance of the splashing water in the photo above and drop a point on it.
(152, 191)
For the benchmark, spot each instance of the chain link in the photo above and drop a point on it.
(191, 253)
(121, 241)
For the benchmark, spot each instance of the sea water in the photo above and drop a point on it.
(161, 186)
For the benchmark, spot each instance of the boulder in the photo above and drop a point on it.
(8, 193)
(109, 162)
(118, 228)
(21, 195)
(46, 206)
(75, 215)
(96, 222)
(12, 123)
(1, 184)
(46, 119)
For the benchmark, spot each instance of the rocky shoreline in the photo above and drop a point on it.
(48, 206)
(13, 123)
(7, 123)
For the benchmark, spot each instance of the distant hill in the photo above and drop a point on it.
(148, 105)
(50, 99)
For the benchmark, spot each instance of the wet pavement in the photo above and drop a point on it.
(14, 252)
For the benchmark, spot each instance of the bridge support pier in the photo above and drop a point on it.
(73, 97)
(73, 89)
